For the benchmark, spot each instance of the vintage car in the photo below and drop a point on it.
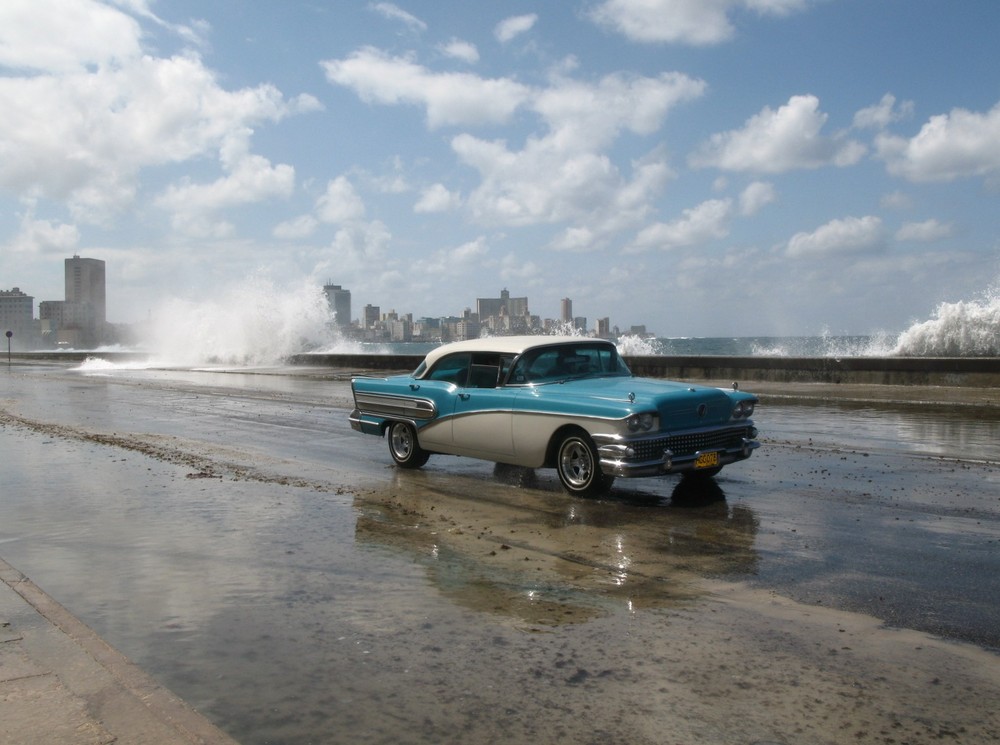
(562, 402)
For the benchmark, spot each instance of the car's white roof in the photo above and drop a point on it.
(504, 345)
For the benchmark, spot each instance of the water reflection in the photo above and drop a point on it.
(953, 432)
(542, 559)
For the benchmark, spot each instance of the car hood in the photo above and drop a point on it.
(680, 405)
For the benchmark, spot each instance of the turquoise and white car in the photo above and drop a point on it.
(568, 403)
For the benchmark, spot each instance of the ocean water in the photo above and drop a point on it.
(256, 323)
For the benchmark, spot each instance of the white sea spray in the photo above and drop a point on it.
(639, 346)
(252, 322)
(962, 329)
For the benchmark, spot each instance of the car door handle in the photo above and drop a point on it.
(464, 396)
(414, 387)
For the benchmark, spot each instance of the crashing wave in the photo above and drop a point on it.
(250, 323)
(962, 329)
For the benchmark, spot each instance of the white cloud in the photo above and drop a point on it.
(249, 179)
(542, 184)
(884, 113)
(694, 22)
(73, 35)
(755, 197)
(584, 115)
(514, 267)
(296, 228)
(456, 261)
(449, 98)
(924, 232)
(460, 50)
(393, 12)
(959, 144)
(779, 141)
(104, 125)
(847, 236)
(44, 237)
(355, 249)
(696, 226)
(564, 174)
(514, 26)
(437, 198)
(340, 203)
(775, 7)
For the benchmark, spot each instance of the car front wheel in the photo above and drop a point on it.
(578, 467)
(403, 446)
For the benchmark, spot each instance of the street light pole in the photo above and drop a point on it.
(9, 334)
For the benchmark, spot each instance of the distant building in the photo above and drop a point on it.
(401, 329)
(566, 308)
(17, 315)
(371, 317)
(79, 321)
(85, 285)
(340, 303)
(604, 328)
(504, 315)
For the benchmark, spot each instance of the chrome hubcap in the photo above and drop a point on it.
(576, 463)
(401, 441)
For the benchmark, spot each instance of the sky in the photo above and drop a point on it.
(703, 167)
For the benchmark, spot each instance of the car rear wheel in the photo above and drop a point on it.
(579, 468)
(403, 446)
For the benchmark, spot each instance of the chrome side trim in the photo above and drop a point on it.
(406, 407)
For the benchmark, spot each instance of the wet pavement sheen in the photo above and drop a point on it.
(237, 540)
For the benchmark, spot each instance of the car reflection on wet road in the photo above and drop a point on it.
(239, 542)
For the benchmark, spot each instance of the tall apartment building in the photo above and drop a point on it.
(340, 303)
(85, 286)
(604, 327)
(79, 321)
(17, 316)
(566, 316)
(371, 317)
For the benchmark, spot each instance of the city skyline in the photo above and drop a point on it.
(80, 320)
(706, 168)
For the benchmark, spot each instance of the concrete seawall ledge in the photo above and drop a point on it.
(921, 371)
(969, 380)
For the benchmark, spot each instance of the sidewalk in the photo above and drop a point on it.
(60, 683)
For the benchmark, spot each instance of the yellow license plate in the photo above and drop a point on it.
(706, 460)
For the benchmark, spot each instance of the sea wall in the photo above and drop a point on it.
(940, 371)
(916, 371)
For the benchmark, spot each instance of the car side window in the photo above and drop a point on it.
(485, 370)
(452, 369)
(533, 366)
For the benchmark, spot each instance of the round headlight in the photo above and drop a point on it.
(640, 422)
(738, 410)
(748, 408)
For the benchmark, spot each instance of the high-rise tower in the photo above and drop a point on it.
(85, 286)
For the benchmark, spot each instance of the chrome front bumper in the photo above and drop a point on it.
(659, 455)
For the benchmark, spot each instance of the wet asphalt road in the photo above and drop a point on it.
(166, 507)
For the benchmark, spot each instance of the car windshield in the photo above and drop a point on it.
(566, 362)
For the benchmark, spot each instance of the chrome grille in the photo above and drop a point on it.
(690, 443)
